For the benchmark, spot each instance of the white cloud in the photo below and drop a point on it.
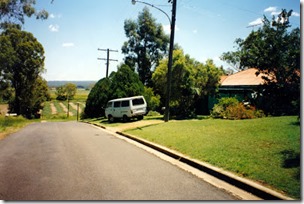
(256, 22)
(275, 13)
(69, 44)
(55, 16)
(295, 14)
(271, 9)
(54, 28)
(167, 28)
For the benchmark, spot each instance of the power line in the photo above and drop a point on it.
(107, 59)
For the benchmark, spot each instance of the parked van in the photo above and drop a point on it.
(126, 108)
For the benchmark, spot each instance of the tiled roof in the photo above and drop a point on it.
(243, 78)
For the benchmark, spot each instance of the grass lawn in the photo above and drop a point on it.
(266, 150)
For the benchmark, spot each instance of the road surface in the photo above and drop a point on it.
(76, 161)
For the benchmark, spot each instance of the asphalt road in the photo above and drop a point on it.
(75, 161)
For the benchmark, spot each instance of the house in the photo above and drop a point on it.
(241, 85)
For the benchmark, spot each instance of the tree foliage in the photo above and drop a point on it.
(152, 99)
(66, 92)
(21, 63)
(231, 108)
(146, 45)
(15, 11)
(97, 99)
(191, 80)
(123, 83)
(275, 50)
(39, 96)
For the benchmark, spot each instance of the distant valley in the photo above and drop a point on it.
(79, 84)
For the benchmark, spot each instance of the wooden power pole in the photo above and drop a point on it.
(107, 59)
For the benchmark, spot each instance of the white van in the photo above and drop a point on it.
(126, 108)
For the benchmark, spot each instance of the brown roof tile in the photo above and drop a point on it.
(243, 78)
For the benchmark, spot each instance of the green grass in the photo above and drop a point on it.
(9, 125)
(80, 97)
(266, 150)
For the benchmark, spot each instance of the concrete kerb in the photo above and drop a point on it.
(242, 183)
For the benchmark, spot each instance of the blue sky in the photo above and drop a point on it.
(205, 29)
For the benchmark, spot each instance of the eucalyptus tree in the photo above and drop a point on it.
(15, 11)
(147, 44)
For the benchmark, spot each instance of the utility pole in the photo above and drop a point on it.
(107, 59)
(170, 62)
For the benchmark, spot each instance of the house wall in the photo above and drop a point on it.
(242, 93)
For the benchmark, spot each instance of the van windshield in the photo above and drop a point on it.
(138, 101)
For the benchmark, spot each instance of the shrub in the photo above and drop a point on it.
(239, 111)
(231, 108)
(219, 109)
(153, 113)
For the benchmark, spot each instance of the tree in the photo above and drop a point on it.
(21, 63)
(14, 12)
(152, 99)
(66, 92)
(39, 96)
(191, 80)
(125, 83)
(97, 99)
(146, 45)
(275, 50)
(71, 90)
(120, 84)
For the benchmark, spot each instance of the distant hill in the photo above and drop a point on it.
(79, 84)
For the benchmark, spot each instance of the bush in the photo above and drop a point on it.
(231, 108)
(219, 109)
(239, 111)
(153, 113)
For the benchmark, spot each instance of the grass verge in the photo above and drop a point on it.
(9, 125)
(266, 150)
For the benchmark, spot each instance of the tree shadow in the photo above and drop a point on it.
(292, 159)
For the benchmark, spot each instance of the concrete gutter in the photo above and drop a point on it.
(228, 177)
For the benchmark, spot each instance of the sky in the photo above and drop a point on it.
(205, 29)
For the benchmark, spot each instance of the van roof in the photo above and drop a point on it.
(128, 98)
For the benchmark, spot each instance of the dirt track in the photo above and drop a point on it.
(3, 109)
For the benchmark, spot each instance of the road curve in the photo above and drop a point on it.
(75, 161)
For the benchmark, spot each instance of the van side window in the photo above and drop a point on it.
(117, 104)
(125, 103)
(138, 101)
(109, 105)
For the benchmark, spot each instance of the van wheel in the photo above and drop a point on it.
(110, 118)
(140, 117)
(125, 118)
